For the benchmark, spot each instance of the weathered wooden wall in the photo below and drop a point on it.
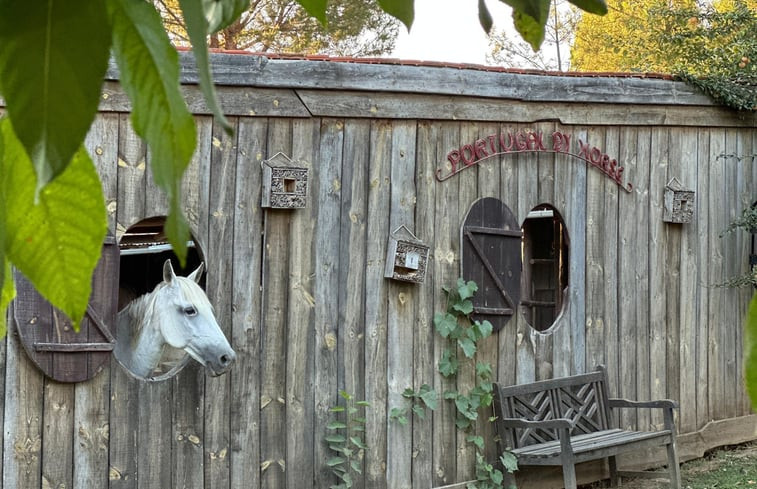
(302, 296)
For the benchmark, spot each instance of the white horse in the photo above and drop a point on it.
(175, 315)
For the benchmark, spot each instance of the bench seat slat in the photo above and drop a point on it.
(591, 442)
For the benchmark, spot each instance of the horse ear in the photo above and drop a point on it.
(197, 274)
(168, 273)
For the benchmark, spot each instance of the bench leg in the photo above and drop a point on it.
(673, 467)
(614, 479)
(509, 480)
(569, 475)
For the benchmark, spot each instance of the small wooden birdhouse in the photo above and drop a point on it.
(406, 257)
(285, 183)
(678, 203)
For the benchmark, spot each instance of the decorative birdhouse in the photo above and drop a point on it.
(678, 203)
(285, 183)
(406, 257)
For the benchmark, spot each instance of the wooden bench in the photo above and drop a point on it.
(569, 420)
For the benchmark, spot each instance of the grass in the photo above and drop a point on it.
(722, 468)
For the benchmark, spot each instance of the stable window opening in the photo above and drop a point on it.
(544, 252)
(143, 251)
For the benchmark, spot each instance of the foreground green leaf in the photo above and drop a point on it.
(52, 62)
(55, 243)
(316, 8)
(484, 16)
(7, 293)
(750, 341)
(197, 28)
(149, 68)
(531, 29)
(403, 10)
(598, 7)
(221, 13)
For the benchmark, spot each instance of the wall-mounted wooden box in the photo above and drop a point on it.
(406, 257)
(678, 203)
(285, 183)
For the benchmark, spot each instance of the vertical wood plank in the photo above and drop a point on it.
(631, 275)
(188, 437)
(424, 368)
(507, 362)
(466, 375)
(717, 216)
(91, 425)
(274, 329)
(328, 185)
(689, 289)
(124, 396)
(300, 364)
(352, 261)
(609, 242)
(223, 162)
(596, 322)
(246, 306)
(704, 228)
(446, 271)
(401, 306)
(658, 242)
(732, 268)
(641, 250)
(376, 286)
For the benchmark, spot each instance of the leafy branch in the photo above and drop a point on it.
(347, 441)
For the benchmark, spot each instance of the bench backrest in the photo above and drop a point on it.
(582, 399)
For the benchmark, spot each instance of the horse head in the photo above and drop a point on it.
(186, 320)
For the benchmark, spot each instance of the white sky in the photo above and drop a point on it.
(448, 30)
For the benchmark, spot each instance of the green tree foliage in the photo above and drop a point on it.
(711, 46)
(53, 57)
(354, 28)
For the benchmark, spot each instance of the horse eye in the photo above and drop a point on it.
(190, 311)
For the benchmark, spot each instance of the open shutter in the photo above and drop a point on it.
(48, 336)
(491, 248)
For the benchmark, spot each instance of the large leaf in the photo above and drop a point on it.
(56, 242)
(750, 340)
(598, 7)
(221, 13)
(53, 56)
(316, 8)
(149, 68)
(7, 292)
(530, 29)
(403, 10)
(536, 9)
(197, 28)
(484, 16)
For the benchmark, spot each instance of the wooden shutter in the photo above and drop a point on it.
(491, 248)
(48, 336)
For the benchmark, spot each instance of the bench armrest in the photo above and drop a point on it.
(555, 424)
(625, 403)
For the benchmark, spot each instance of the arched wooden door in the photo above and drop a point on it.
(48, 336)
(491, 249)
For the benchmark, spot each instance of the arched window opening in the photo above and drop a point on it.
(144, 249)
(544, 251)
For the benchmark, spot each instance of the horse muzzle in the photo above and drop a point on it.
(221, 364)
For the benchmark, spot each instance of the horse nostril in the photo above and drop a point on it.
(225, 360)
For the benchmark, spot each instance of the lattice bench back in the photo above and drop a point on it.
(582, 399)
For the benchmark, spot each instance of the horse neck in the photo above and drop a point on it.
(140, 343)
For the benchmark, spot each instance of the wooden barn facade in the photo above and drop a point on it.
(301, 291)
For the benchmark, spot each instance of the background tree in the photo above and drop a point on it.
(507, 49)
(711, 45)
(354, 28)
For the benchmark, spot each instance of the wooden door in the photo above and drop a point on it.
(491, 249)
